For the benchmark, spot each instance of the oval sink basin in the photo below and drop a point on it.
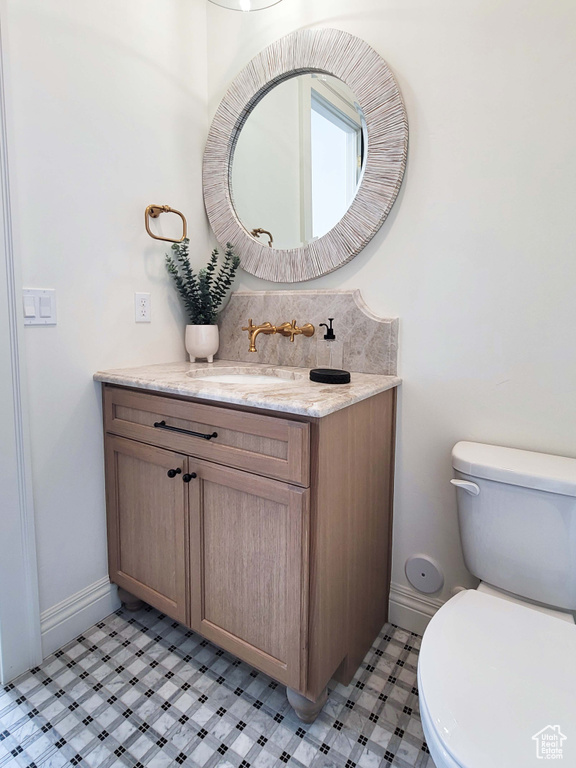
(244, 378)
(261, 376)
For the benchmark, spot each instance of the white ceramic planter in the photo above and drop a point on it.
(202, 341)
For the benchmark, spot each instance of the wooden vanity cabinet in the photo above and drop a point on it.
(272, 540)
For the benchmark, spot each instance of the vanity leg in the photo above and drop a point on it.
(306, 710)
(129, 602)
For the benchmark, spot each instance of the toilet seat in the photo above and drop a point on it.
(491, 675)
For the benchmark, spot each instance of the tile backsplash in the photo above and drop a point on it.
(370, 343)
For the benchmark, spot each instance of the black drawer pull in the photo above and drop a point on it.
(173, 472)
(186, 478)
(163, 425)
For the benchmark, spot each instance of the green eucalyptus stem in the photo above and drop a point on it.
(202, 293)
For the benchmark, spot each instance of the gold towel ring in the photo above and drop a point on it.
(260, 231)
(153, 211)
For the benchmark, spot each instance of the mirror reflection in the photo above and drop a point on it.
(298, 160)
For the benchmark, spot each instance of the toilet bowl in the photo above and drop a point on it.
(497, 665)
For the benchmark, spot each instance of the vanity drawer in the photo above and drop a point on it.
(264, 445)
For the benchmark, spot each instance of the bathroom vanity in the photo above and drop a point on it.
(261, 516)
(258, 517)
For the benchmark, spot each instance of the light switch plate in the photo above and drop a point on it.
(39, 306)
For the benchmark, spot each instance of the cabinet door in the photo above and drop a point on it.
(249, 567)
(147, 530)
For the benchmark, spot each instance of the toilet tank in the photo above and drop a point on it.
(517, 517)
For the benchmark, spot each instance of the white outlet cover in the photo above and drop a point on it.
(39, 306)
(142, 308)
(424, 574)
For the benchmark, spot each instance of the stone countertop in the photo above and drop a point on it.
(297, 395)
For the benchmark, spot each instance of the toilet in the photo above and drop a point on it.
(497, 666)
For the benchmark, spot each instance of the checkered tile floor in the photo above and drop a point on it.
(141, 690)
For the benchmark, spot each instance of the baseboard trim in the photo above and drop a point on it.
(66, 620)
(410, 609)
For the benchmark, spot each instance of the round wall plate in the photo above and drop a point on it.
(424, 574)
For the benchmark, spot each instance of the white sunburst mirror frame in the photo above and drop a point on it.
(330, 52)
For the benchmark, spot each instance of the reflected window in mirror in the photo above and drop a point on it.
(336, 152)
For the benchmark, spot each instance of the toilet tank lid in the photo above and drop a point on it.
(542, 471)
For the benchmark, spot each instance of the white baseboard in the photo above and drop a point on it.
(410, 609)
(68, 619)
(63, 622)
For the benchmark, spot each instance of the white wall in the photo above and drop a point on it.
(107, 110)
(478, 255)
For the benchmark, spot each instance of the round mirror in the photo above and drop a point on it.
(305, 155)
(298, 161)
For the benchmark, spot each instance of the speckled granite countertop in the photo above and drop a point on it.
(296, 394)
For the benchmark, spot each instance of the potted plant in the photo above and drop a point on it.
(202, 295)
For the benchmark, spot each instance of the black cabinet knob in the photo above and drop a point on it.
(174, 472)
(187, 477)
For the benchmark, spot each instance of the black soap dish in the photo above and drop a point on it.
(329, 376)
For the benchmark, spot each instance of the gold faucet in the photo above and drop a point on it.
(285, 329)
(254, 330)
